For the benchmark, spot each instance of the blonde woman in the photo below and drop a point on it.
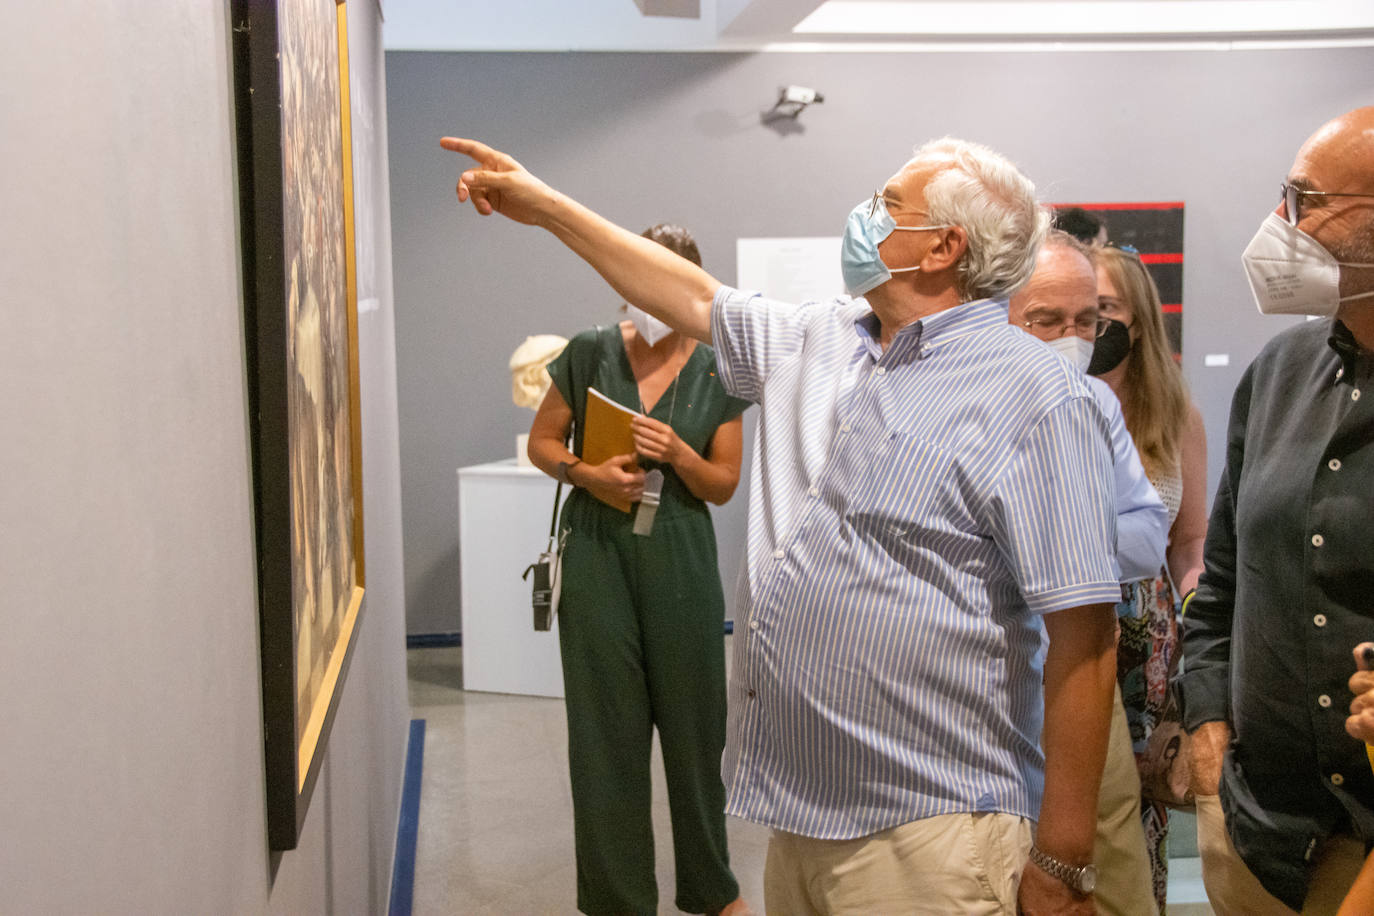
(1134, 359)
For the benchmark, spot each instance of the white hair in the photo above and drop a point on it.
(986, 196)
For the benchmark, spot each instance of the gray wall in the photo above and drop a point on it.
(132, 752)
(650, 137)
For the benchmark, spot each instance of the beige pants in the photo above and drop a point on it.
(1125, 885)
(952, 863)
(1233, 890)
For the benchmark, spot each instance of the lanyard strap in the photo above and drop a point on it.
(558, 493)
(553, 522)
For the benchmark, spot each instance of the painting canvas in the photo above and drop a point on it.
(291, 73)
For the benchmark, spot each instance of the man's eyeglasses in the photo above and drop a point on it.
(1055, 326)
(1293, 195)
(878, 201)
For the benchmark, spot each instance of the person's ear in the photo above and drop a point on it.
(948, 249)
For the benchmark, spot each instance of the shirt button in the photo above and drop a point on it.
(1319, 620)
(1324, 701)
(844, 427)
(1355, 395)
(1334, 464)
(1337, 779)
(1340, 373)
(753, 624)
(814, 492)
(1318, 540)
(882, 370)
(779, 554)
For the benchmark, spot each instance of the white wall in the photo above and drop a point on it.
(132, 750)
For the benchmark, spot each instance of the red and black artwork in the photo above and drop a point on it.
(1155, 231)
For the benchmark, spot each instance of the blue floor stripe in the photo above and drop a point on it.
(433, 640)
(408, 829)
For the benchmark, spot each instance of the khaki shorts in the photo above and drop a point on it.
(952, 863)
(1233, 890)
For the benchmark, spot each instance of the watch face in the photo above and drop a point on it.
(1087, 879)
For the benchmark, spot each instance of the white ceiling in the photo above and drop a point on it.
(619, 25)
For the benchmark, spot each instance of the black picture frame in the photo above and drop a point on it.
(300, 321)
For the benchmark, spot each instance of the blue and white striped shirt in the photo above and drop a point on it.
(911, 514)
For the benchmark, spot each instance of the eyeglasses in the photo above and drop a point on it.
(1293, 195)
(1055, 326)
(877, 201)
(1125, 249)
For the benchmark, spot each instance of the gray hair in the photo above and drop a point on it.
(1058, 238)
(986, 196)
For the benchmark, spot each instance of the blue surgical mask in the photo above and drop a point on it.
(860, 264)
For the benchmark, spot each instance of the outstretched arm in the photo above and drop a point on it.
(643, 272)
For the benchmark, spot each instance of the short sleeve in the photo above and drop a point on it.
(752, 336)
(734, 407)
(569, 369)
(1053, 510)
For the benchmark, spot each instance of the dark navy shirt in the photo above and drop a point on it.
(1287, 592)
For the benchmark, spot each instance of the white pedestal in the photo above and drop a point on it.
(503, 524)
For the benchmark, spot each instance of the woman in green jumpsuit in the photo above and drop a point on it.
(640, 616)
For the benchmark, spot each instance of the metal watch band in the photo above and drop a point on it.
(1082, 878)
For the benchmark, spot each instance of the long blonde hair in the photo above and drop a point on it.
(1154, 397)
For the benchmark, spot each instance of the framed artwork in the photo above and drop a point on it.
(300, 301)
(1155, 230)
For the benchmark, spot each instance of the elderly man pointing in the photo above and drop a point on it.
(932, 494)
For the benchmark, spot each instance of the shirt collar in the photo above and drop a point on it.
(933, 330)
(1343, 342)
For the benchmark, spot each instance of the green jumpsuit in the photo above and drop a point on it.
(640, 623)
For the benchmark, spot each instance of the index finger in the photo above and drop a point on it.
(484, 155)
(474, 148)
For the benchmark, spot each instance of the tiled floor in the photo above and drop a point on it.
(495, 832)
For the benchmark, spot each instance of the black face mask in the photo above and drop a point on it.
(1111, 348)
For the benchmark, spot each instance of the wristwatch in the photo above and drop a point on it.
(564, 467)
(1082, 878)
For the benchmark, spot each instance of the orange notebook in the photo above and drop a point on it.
(608, 432)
